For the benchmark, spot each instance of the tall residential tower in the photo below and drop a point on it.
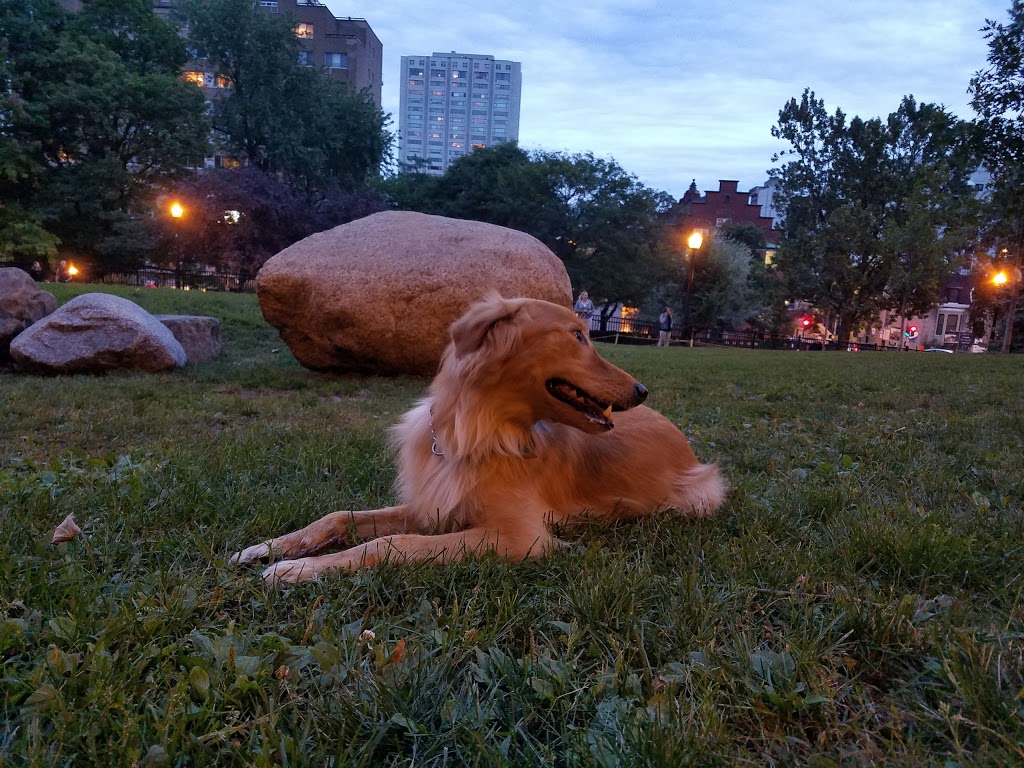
(453, 103)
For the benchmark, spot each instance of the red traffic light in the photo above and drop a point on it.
(913, 330)
(805, 322)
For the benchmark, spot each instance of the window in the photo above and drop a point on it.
(415, 109)
(498, 131)
(502, 76)
(480, 112)
(223, 81)
(457, 144)
(305, 58)
(479, 145)
(438, 73)
(721, 222)
(480, 76)
(340, 61)
(415, 81)
(416, 71)
(304, 30)
(437, 93)
(268, 4)
(458, 74)
(193, 77)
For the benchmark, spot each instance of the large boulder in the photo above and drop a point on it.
(21, 304)
(198, 335)
(96, 333)
(377, 295)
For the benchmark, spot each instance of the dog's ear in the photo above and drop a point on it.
(471, 330)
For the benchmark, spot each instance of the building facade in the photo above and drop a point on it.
(453, 103)
(718, 208)
(345, 48)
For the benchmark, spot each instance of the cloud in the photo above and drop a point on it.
(677, 91)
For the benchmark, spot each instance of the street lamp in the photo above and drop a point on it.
(177, 212)
(695, 240)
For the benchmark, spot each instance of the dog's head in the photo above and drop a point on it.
(537, 358)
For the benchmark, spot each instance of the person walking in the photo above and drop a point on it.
(665, 327)
(584, 308)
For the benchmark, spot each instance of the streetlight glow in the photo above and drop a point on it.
(1000, 278)
(696, 240)
(176, 210)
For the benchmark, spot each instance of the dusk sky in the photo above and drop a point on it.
(680, 91)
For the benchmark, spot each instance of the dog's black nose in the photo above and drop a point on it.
(641, 393)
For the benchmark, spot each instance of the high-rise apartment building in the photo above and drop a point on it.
(453, 103)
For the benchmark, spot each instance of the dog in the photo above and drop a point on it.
(524, 426)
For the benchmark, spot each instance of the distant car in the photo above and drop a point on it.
(939, 349)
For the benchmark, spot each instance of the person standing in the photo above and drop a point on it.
(665, 327)
(584, 309)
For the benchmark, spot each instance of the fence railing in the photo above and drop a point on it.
(626, 331)
(189, 280)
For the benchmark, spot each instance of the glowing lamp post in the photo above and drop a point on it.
(1001, 280)
(177, 212)
(72, 271)
(694, 242)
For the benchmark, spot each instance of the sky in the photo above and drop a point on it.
(677, 91)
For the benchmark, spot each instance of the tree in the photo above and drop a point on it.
(278, 115)
(95, 116)
(240, 218)
(997, 95)
(600, 220)
(876, 210)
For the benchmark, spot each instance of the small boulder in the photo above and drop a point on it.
(378, 294)
(197, 334)
(21, 304)
(96, 333)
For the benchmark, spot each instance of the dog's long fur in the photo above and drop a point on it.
(496, 452)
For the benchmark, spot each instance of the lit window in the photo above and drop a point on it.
(340, 61)
(223, 81)
(416, 72)
(769, 258)
(194, 77)
(304, 30)
(479, 145)
(457, 144)
(305, 58)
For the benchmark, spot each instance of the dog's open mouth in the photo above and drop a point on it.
(595, 410)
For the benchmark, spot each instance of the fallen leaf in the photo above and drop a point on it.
(399, 653)
(66, 531)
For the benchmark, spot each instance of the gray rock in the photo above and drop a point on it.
(21, 304)
(198, 335)
(377, 295)
(96, 333)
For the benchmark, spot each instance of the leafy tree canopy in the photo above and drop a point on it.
(877, 210)
(278, 115)
(600, 220)
(94, 114)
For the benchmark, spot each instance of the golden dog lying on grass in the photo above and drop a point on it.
(515, 434)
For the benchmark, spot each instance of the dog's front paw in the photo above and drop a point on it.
(251, 554)
(290, 572)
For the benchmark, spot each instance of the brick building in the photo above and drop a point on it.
(717, 208)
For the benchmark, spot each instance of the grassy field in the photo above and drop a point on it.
(858, 601)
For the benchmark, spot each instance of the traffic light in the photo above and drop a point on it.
(911, 331)
(805, 322)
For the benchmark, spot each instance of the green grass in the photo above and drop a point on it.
(858, 601)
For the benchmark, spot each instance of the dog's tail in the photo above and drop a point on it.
(700, 490)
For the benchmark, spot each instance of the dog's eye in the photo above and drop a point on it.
(579, 336)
